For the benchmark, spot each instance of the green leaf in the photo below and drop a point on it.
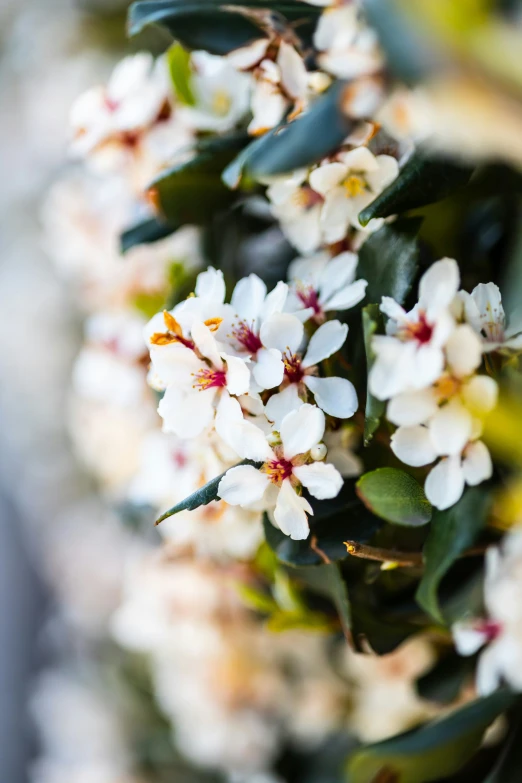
(327, 580)
(389, 259)
(178, 60)
(434, 751)
(332, 523)
(201, 497)
(234, 172)
(508, 767)
(420, 182)
(372, 322)
(255, 599)
(193, 192)
(394, 496)
(306, 140)
(452, 531)
(145, 233)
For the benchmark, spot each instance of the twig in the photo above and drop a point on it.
(324, 557)
(402, 559)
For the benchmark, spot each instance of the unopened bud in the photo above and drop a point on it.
(319, 452)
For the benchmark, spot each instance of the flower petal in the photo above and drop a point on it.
(248, 298)
(336, 215)
(480, 394)
(360, 159)
(445, 483)
(238, 375)
(328, 176)
(243, 485)
(326, 341)
(290, 512)
(269, 369)
(464, 351)
(347, 297)
(388, 171)
(211, 285)
(275, 301)
(301, 430)
(413, 446)
(206, 343)
(247, 440)
(294, 76)
(438, 286)
(411, 408)
(337, 273)
(321, 480)
(451, 428)
(281, 404)
(336, 396)
(186, 414)
(282, 331)
(468, 639)
(476, 463)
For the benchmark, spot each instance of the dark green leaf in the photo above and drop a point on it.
(444, 683)
(201, 497)
(372, 322)
(333, 522)
(434, 751)
(180, 72)
(452, 531)
(389, 259)
(306, 140)
(508, 768)
(233, 173)
(394, 496)
(193, 192)
(420, 182)
(383, 634)
(327, 580)
(145, 233)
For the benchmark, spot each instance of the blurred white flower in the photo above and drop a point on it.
(483, 310)
(348, 48)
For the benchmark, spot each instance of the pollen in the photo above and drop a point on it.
(213, 323)
(447, 387)
(208, 379)
(354, 185)
(293, 370)
(174, 333)
(245, 336)
(277, 470)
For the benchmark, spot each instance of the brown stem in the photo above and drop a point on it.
(324, 557)
(403, 559)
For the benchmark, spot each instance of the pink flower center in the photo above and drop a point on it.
(208, 379)
(179, 459)
(309, 197)
(309, 297)
(278, 470)
(421, 331)
(294, 373)
(247, 337)
(490, 628)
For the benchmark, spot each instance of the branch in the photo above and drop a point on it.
(401, 559)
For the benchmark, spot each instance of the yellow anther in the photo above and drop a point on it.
(213, 323)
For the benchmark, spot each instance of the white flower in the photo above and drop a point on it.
(502, 630)
(222, 94)
(336, 396)
(483, 310)
(286, 468)
(298, 208)
(249, 318)
(349, 49)
(411, 355)
(321, 284)
(280, 81)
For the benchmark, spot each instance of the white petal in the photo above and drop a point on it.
(476, 463)
(281, 404)
(211, 285)
(243, 485)
(428, 366)
(413, 446)
(438, 286)
(468, 639)
(309, 270)
(304, 233)
(275, 301)
(175, 364)
(337, 274)
(451, 428)
(347, 297)
(445, 483)
(238, 375)
(294, 76)
(206, 344)
(490, 670)
(411, 408)
(464, 351)
(393, 310)
(387, 172)
(328, 176)
(360, 159)
(248, 298)
(248, 56)
(488, 301)
(480, 394)
(247, 440)
(290, 512)
(268, 106)
(336, 396)
(269, 369)
(336, 215)
(301, 430)
(321, 480)
(186, 414)
(324, 342)
(282, 331)
(393, 369)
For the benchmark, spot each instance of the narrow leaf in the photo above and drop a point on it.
(420, 182)
(327, 580)
(145, 233)
(372, 322)
(178, 60)
(389, 260)
(434, 751)
(394, 496)
(452, 531)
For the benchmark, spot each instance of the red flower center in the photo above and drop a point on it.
(208, 379)
(309, 297)
(490, 628)
(421, 331)
(278, 470)
(293, 370)
(247, 337)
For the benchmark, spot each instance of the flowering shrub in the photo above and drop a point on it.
(331, 463)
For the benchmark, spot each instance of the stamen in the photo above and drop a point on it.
(309, 297)
(213, 323)
(354, 185)
(245, 335)
(208, 379)
(277, 470)
(420, 330)
(174, 333)
(293, 370)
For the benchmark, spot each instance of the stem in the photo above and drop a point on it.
(402, 559)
